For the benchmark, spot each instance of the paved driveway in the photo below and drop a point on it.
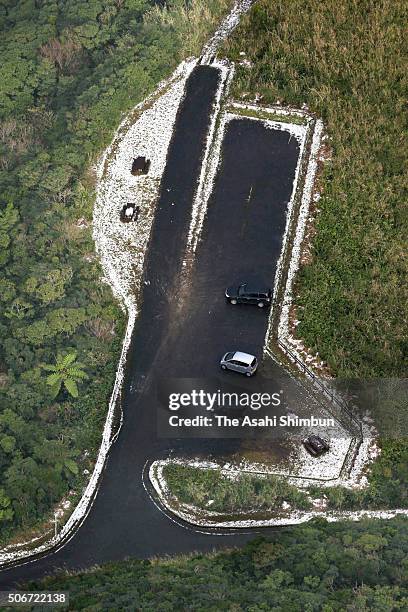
(183, 329)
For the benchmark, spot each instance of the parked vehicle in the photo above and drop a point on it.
(244, 363)
(248, 294)
(316, 445)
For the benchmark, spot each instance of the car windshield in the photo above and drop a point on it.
(241, 289)
(316, 442)
(229, 356)
(253, 362)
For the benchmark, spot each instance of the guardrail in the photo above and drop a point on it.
(329, 392)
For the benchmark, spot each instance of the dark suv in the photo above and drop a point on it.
(247, 294)
(315, 445)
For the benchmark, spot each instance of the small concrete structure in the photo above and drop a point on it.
(140, 165)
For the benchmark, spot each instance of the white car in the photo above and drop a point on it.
(239, 362)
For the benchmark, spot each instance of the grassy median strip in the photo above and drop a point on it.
(214, 490)
(209, 489)
(267, 115)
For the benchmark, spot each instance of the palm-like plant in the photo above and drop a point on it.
(66, 371)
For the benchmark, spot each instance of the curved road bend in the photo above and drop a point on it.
(181, 334)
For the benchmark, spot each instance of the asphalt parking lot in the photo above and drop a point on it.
(241, 242)
(185, 327)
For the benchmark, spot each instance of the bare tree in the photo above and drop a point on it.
(16, 136)
(100, 328)
(63, 53)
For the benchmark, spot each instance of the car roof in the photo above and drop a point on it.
(243, 357)
(249, 288)
(315, 438)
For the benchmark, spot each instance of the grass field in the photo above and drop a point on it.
(209, 489)
(345, 61)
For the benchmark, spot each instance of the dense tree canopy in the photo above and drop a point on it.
(70, 68)
(317, 567)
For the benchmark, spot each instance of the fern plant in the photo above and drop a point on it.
(67, 372)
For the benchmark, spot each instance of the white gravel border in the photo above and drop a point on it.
(208, 518)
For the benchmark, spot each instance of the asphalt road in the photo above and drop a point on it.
(185, 324)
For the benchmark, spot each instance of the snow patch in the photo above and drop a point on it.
(206, 178)
(227, 26)
(283, 326)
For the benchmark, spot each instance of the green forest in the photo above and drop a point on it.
(70, 69)
(347, 567)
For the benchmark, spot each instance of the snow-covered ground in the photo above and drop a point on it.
(213, 158)
(299, 463)
(122, 246)
(226, 27)
(284, 333)
(146, 132)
